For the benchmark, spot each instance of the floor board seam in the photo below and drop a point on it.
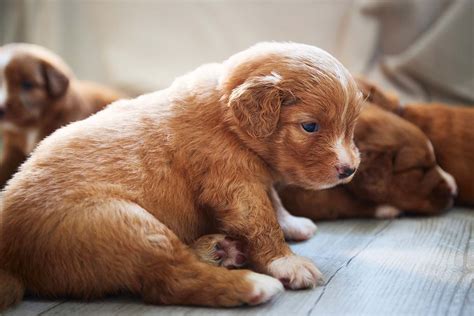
(52, 307)
(468, 272)
(345, 264)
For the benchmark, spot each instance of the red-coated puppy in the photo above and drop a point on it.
(39, 94)
(126, 189)
(449, 129)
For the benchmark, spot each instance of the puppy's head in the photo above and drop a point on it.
(295, 106)
(399, 166)
(31, 80)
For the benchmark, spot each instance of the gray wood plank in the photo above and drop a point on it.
(411, 266)
(415, 267)
(30, 307)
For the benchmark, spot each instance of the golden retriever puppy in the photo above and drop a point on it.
(448, 127)
(39, 94)
(108, 204)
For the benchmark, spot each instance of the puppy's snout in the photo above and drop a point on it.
(450, 182)
(2, 112)
(345, 171)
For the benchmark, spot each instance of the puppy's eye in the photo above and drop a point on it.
(310, 127)
(27, 85)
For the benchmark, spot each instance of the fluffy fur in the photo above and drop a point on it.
(39, 94)
(449, 129)
(109, 203)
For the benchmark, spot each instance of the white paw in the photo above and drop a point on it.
(387, 211)
(264, 288)
(295, 272)
(298, 228)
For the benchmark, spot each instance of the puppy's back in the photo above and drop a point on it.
(98, 96)
(450, 130)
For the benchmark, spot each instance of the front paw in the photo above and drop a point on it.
(387, 212)
(295, 272)
(298, 228)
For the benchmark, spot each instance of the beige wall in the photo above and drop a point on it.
(427, 45)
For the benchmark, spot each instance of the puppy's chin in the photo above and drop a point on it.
(324, 186)
(317, 186)
(346, 180)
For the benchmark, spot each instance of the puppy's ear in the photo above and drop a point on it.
(256, 104)
(56, 82)
(376, 95)
(407, 158)
(374, 175)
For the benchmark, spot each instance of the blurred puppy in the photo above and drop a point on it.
(39, 94)
(121, 190)
(449, 129)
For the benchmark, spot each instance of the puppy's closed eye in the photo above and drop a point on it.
(407, 158)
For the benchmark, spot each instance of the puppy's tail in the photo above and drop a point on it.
(11, 290)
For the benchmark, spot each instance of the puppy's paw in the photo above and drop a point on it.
(387, 212)
(298, 228)
(295, 272)
(220, 250)
(264, 288)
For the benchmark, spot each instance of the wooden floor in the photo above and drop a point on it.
(409, 266)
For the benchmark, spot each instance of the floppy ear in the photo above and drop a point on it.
(376, 95)
(255, 104)
(56, 81)
(373, 177)
(407, 158)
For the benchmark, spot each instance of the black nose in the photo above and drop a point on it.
(2, 112)
(345, 172)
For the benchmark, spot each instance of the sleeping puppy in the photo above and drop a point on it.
(108, 204)
(449, 129)
(398, 172)
(39, 94)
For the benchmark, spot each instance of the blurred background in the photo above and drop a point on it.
(424, 49)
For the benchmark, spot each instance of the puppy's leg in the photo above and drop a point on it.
(12, 158)
(100, 248)
(249, 215)
(329, 204)
(294, 227)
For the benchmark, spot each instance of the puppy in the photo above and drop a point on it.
(448, 128)
(398, 172)
(39, 94)
(106, 204)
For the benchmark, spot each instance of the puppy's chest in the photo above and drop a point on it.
(31, 139)
(23, 139)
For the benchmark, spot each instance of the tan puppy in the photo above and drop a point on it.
(39, 94)
(104, 204)
(449, 129)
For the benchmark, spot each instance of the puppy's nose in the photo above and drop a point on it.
(345, 171)
(2, 112)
